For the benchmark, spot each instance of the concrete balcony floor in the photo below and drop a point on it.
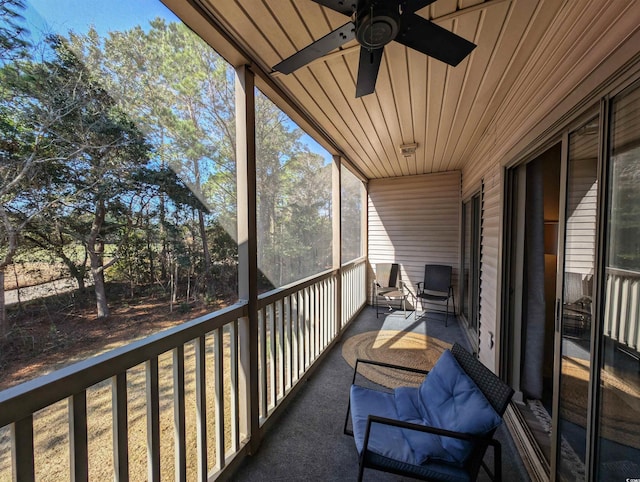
(307, 443)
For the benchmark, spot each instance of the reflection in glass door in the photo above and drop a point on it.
(577, 295)
(619, 388)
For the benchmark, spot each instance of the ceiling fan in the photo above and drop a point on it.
(375, 23)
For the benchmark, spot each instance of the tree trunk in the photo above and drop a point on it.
(210, 288)
(150, 254)
(12, 237)
(81, 286)
(4, 329)
(162, 258)
(15, 274)
(77, 270)
(96, 255)
(174, 295)
(101, 294)
(78, 274)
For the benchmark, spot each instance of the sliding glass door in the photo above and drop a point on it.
(576, 290)
(596, 422)
(572, 296)
(618, 392)
(532, 207)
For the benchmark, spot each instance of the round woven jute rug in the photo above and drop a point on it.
(397, 347)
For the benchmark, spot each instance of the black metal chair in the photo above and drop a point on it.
(497, 393)
(388, 286)
(436, 287)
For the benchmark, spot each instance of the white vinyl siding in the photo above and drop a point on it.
(489, 266)
(413, 221)
(581, 217)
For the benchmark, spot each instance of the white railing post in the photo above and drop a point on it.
(263, 372)
(235, 400)
(622, 306)
(279, 315)
(272, 356)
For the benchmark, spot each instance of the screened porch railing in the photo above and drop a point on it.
(295, 324)
(354, 289)
(622, 307)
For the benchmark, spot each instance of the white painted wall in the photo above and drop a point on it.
(413, 221)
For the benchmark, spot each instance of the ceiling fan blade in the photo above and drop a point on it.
(318, 48)
(431, 39)
(368, 70)
(412, 6)
(346, 7)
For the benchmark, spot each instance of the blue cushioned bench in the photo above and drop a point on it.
(437, 431)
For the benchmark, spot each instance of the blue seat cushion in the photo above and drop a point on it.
(450, 400)
(383, 439)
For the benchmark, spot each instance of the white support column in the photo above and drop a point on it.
(247, 255)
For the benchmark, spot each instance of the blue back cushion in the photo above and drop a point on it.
(424, 446)
(450, 400)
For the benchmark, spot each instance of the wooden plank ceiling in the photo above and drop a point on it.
(445, 110)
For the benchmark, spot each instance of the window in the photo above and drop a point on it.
(352, 212)
(294, 199)
(117, 200)
(117, 171)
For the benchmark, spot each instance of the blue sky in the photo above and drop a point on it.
(61, 16)
(105, 15)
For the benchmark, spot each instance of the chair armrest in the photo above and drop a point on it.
(428, 429)
(445, 433)
(375, 286)
(390, 365)
(385, 365)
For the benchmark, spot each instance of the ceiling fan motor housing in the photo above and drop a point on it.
(374, 24)
(377, 23)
